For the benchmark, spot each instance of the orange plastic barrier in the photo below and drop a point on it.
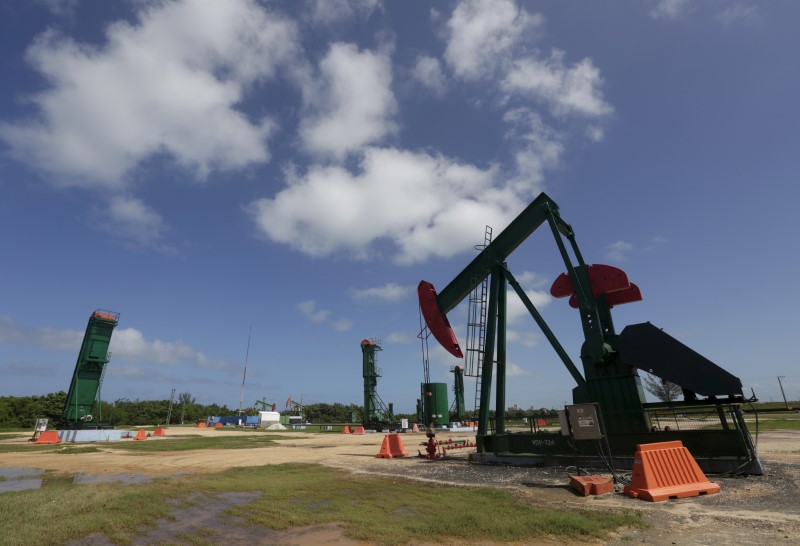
(359, 430)
(218, 425)
(159, 431)
(591, 485)
(346, 429)
(201, 425)
(48, 437)
(666, 470)
(392, 447)
(141, 435)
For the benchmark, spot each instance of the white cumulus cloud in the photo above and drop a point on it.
(169, 83)
(483, 34)
(352, 105)
(566, 89)
(133, 219)
(669, 9)
(131, 344)
(400, 338)
(618, 251)
(309, 310)
(390, 292)
(425, 205)
(428, 72)
(332, 12)
(516, 309)
(739, 13)
(536, 148)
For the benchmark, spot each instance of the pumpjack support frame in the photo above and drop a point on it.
(610, 363)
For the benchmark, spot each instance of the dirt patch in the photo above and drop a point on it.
(756, 509)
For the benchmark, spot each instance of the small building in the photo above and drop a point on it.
(268, 418)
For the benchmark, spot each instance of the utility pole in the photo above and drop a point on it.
(785, 403)
(244, 376)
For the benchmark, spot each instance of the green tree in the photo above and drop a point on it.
(185, 399)
(661, 388)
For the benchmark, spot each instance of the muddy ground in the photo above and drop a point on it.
(748, 510)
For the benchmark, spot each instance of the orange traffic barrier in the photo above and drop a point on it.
(141, 435)
(159, 431)
(415, 428)
(48, 437)
(541, 423)
(666, 470)
(392, 447)
(591, 485)
(359, 430)
(346, 429)
(201, 425)
(218, 425)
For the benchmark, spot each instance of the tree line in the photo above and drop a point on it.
(22, 411)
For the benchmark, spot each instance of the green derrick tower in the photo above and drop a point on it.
(376, 415)
(89, 371)
(458, 392)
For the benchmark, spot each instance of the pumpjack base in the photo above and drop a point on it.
(553, 449)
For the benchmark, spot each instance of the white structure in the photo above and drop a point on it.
(268, 418)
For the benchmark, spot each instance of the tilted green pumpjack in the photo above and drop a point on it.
(712, 428)
(88, 375)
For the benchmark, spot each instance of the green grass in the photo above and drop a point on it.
(396, 511)
(771, 405)
(23, 448)
(54, 448)
(11, 436)
(187, 443)
(774, 424)
(384, 511)
(184, 443)
(61, 511)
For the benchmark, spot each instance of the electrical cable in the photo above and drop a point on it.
(610, 462)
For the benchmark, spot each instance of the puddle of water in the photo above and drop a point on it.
(14, 472)
(20, 484)
(84, 479)
(17, 478)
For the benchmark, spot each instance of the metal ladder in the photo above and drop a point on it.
(99, 397)
(476, 326)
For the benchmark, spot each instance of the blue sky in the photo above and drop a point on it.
(298, 167)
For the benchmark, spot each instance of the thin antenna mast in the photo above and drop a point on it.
(244, 376)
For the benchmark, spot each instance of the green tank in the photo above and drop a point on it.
(435, 407)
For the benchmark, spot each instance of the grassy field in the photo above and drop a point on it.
(384, 511)
(775, 422)
(186, 443)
